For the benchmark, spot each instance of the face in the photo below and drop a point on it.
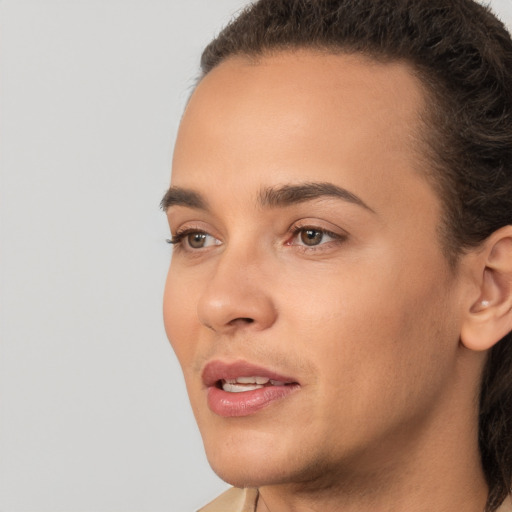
(308, 299)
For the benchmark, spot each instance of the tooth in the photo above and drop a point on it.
(239, 388)
(245, 380)
(252, 380)
(276, 383)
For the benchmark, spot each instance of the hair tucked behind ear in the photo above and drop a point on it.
(463, 55)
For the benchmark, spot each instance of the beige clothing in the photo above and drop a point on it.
(244, 500)
(507, 506)
(233, 500)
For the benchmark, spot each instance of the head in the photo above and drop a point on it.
(343, 187)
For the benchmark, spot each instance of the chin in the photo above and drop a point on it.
(249, 463)
(271, 471)
(242, 478)
(246, 475)
(264, 462)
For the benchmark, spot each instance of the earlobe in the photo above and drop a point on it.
(489, 317)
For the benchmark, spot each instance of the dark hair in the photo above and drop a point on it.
(463, 56)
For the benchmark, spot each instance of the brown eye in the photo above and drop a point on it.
(192, 240)
(196, 240)
(311, 236)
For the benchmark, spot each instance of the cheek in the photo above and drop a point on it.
(180, 316)
(378, 328)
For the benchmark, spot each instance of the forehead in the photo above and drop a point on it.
(306, 81)
(300, 116)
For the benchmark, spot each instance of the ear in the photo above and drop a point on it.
(489, 316)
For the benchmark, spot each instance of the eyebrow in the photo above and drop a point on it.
(270, 197)
(292, 194)
(177, 196)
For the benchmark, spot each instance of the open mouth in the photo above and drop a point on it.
(244, 384)
(240, 388)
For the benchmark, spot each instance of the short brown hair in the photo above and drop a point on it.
(463, 55)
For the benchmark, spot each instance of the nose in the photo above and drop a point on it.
(237, 296)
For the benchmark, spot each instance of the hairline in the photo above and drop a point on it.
(431, 168)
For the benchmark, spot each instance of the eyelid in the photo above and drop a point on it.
(181, 227)
(337, 235)
(177, 239)
(318, 225)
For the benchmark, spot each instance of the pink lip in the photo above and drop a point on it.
(248, 402)
(218, 370)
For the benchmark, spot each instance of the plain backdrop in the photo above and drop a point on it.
(93, 411)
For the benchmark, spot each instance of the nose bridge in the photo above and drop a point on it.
(237, 295)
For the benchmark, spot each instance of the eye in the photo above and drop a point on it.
(193, 240)
(313, 236)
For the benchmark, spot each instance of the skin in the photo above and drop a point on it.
(368, 321)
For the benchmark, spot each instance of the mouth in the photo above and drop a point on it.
(244, 384)
(242, 389)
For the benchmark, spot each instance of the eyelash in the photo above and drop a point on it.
(297, 229)
(177, 239)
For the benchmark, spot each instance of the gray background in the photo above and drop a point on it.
(93, 411)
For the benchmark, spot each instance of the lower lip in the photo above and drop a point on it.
(247, 402)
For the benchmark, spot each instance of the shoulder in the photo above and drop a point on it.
(233, 500)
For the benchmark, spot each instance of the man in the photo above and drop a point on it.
(340, 292)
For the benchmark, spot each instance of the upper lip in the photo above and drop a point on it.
(218, 370)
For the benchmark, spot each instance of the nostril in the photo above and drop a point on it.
(244, 320)
(225, 306)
